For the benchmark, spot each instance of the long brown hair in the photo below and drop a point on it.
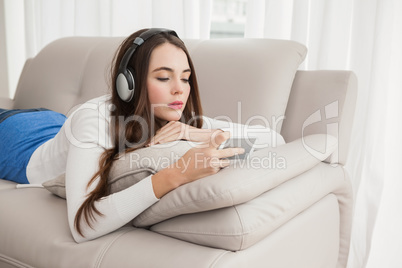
(127, 132)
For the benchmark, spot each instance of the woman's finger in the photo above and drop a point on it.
(229, 152)
(224, 163)
(219, 138)
(217, 164)
(173, 136)
(172, 131)
(166, 128)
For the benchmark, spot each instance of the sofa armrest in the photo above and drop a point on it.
(322, 102)
(6, 103)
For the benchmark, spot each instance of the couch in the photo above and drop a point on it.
(305, 214)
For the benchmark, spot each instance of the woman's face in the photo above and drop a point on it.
(168, 82)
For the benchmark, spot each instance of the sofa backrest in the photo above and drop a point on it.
(65, 73)
(241, 80)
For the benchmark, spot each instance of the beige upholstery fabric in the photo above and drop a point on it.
(6, 103)
(33, 224)
(240, 226)
(305, 246)
(267, 67)
(57, 186)
(327, 113)
(59, 80)
(239, 70)
(38, 236)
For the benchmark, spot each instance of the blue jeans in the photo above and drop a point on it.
(21, 133)
(4, 113)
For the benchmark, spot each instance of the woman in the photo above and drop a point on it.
(164, 106)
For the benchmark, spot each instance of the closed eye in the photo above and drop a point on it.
(162, 79)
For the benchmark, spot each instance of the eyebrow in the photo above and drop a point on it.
(170, 70)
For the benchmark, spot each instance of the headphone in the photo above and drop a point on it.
(125, 83)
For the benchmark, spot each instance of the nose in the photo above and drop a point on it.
(177, 87)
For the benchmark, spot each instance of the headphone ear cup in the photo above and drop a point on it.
(125, 85)
(131, 75)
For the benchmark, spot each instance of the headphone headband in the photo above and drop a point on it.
(125, 83)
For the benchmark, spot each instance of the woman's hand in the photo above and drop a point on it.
(195, 164)
(176, 130)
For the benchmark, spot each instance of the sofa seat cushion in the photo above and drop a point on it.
(35, 233)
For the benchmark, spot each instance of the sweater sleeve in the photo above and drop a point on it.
(87, 143)
(265, 137)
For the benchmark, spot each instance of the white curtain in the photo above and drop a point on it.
(43, 21)
(47, 20)
(364, 36)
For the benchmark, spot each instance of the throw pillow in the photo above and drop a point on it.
(132, 167)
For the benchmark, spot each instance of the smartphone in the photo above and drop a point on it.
(246, 143)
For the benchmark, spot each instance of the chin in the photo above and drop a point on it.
(171, 116)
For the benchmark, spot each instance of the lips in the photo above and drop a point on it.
(176, 105)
